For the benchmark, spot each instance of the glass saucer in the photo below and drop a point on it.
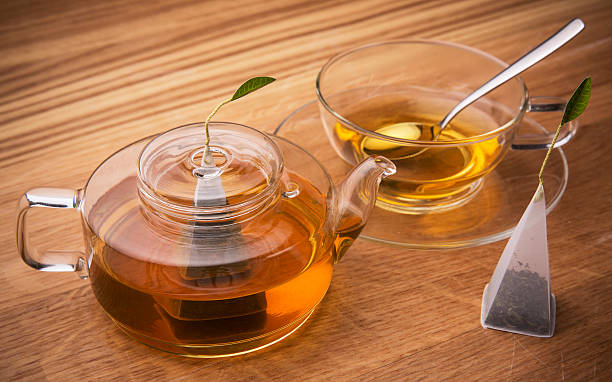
(489, 216)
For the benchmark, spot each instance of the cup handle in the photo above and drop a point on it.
(538, 137)
(61, 261)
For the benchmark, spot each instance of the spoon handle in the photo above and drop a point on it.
(553, 43)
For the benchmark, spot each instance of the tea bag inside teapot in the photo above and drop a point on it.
(216, 258)
(518, 297)
(218, 243)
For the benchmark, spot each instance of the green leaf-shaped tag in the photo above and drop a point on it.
(244, 89)
(576, 105)
(251, 85)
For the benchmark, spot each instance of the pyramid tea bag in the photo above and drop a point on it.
(518, 297)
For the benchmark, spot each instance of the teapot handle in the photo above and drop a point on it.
(62, 261)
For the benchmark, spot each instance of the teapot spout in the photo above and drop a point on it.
(355, 199)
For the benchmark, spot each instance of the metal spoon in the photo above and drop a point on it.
(553, 43)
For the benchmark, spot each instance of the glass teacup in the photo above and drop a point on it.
(387, 98)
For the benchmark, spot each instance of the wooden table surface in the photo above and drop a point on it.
(79, 80)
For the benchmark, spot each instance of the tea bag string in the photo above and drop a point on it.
(206, 156)
(550, 149)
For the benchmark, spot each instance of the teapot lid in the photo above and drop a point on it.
(175, 182)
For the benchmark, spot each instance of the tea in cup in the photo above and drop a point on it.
(388, 99)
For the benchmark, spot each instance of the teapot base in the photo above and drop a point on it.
(228, 349)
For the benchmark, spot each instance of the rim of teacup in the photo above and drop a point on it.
(524, 104)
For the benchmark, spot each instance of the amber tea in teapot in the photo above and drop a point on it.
(228, 302)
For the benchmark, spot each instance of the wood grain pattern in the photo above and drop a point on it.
(79, 80)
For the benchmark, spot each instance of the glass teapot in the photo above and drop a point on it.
(209, 256)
